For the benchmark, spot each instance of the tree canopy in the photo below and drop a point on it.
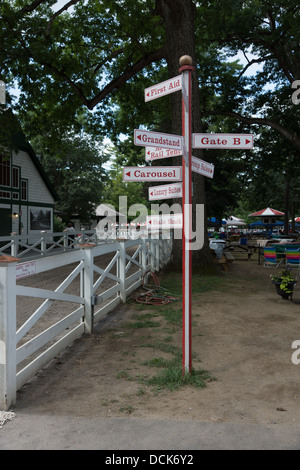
(84, 70)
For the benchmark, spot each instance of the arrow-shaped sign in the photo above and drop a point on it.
(158, 153)
(164, 221)
(202, 167)
(158, 139)
(163, 88)
(148, 173)
(165, 191)
(223, 141)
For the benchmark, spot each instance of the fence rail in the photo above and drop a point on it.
(92, 281)
(45, 243)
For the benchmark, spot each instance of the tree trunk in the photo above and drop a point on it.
(178, 17)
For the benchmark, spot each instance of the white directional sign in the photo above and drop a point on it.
(165, 191)
(148, 173)
(157, 153)
(162, 221)
(157, 139)
(223, 141)
(202, 167)
(163, 88)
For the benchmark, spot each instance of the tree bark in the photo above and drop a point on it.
(178, 17)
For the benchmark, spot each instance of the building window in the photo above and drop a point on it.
(15, 177)
(5, 194)
(4, 172)
(15, 195)
(24, 190)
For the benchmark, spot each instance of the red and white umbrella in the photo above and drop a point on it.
(297, 219)
(268, 212)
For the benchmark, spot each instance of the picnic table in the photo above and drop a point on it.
(237, 248)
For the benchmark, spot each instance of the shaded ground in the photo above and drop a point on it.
(242, 335)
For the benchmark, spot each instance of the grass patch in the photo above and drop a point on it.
(200, 284)
(156, 362)
(172, 314)
(169, 374)
(171, 377)
(142, 324)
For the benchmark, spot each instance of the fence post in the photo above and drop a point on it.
(43, 242)
(157, 255)
(88, 281)
(8, 368)
(152, 253)
(122, 273)
(82, 237)
(65, 235)
(14, 244)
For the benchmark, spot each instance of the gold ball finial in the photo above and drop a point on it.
(185, 60)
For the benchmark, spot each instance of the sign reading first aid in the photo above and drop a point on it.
(163, 88)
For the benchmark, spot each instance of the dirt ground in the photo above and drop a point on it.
(242, 334)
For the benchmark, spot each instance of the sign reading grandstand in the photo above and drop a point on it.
(158, 139)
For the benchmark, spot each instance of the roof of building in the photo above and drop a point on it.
(15, 138)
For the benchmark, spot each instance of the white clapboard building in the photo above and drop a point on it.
(26, 195)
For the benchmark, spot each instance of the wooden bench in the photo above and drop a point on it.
(226, 259)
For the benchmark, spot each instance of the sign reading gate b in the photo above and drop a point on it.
(223, 141)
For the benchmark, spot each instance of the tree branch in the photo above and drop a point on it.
(129, 73)
(293, 138)
(251, 62)
(32, 6)
(59, 12)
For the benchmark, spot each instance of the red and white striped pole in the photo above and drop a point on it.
(186, 69)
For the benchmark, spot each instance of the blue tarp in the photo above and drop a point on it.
(259, 223)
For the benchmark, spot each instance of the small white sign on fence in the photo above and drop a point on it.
(25, 269)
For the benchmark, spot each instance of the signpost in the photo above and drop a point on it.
(165, 191)
(223, 141)
(186, 70)
(167, 145)
(152, 173)
(158, 139)
(163, 88)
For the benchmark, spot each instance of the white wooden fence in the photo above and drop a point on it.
(47, 243)
(91, 282)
